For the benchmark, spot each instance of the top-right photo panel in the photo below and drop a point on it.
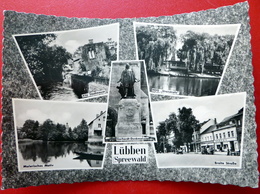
(185, 60)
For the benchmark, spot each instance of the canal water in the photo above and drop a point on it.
(64, 92)
(187, 86)
(38, 155)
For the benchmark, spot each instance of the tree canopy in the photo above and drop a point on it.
(176, 130)
(155, 44)
(44, 59)
(49, 131)
(203, 52)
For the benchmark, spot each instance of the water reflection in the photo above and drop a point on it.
(47, 152)
(188, 86)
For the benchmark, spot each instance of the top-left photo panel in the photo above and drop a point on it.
(70, 65)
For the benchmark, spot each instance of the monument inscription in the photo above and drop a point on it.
(129, 119)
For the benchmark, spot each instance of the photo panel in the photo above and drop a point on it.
(129, 116)
(205, 132)
(56, 135)
(185, 60)
(70, 65)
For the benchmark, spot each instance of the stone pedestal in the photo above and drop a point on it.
(129, 119)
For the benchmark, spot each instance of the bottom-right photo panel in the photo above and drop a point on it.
(204, 132)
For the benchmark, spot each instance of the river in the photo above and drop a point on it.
(187, 86)
(39, 155)
(63, 92)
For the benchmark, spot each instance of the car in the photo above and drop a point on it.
(179, 151)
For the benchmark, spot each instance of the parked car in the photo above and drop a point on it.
(208, 150)
(179, 151)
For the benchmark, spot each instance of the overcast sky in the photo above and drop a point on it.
(203, 108)
(72, 39)
(59, 112)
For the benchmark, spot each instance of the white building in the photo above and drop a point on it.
(97, 128)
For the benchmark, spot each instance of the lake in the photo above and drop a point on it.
(39, 155)
(187, 86)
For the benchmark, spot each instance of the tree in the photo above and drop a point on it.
(172, 126)
(155, 44)
(46, 129)
(161, 137)
(82, 131)
(199, 49)
(44, 59)
(111, 122)
(187, 124)
(29, 129)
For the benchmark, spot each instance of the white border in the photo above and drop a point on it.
(60, 32)
(180, 25)
(50, 168)
(149, 98)
(242, 134)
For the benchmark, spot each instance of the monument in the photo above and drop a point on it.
(129, 107)
(129, 119)
(129, 116)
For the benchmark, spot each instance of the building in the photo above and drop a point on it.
(227, 136)
(195, 144)
(111, 44)
(221, 137)
(207, 137)
(97, 128)
(94, 58)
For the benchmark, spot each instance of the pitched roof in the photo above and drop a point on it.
(239, 113)
(209, 129)
(103, 112)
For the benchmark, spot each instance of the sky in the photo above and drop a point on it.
(59, 112)
(72, 39)
(203, 108)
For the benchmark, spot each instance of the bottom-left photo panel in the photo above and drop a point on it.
(59, 135)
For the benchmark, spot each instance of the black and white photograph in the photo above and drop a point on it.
(129, 116)
(57, 135)
(70, 65)
(205, 132)
(185, 60)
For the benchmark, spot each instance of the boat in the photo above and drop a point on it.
(201, 75)
(88, 156)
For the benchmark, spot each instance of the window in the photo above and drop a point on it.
(224, 135)
(216, 136)
(232, 133)
(91, 54)
(228, 134)
(239, 122)
(104, 118)
(220, 136)
(99, 125)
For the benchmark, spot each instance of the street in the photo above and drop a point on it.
(168, 160)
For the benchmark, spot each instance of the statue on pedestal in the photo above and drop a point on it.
(127, 80)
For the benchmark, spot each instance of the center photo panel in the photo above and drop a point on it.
(129, 116)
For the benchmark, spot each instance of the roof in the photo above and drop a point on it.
(239, 113)
(103, 112)
(209, 129)
(205, 125)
